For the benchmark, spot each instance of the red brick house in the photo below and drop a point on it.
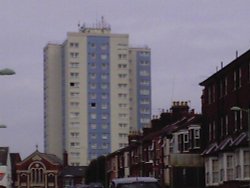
(227, 153)
(169, 150)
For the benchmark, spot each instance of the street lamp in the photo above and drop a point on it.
(7, 71)
(2, 126)
(237, 109)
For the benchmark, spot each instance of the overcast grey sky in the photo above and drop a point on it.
(188, 40)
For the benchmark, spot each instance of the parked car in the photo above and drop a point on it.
(135, 182)
(95, 185)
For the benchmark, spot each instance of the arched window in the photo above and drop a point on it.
(37, 173)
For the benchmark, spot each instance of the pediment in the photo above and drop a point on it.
(36, 158)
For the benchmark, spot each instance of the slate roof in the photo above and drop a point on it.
(3, 155)
(50, 157)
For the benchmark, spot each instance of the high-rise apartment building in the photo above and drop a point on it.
(96, 90)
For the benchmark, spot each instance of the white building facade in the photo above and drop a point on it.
(90, 100)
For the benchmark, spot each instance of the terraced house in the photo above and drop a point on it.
(226, 108)
(169, 150)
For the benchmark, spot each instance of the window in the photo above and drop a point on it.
(74, 114)
(74, 94)
(75, 124)
(104, 106)
(122, 115)
(237, 79)
(122, 75)
(74, 134)
(180, 146)
(230, 172)
(93, 136)
(92, 85)
(93, 126)
(213, 94)
(209, 95)
(93, 105)
(207, 172)
(237, 165)
(104, 56)
(144, 92)
(104, 145)
(73, 44)
(144, 120)
(144, 63)
(122, 95)
(104, 85)
(185, 142)
(104, 46)
(123, 105)
(237, 119)
(74, 84)
(246, 162)
(104, 136)
(74, 75)
(93, 146)
(93, 56)
(222, 126)
(214, 130)
(144, 53)
(74, 65)
(145, 82)
(75, 154)
(104, 76)
(144, 101)
(226, 124)
(92, 95)
(93, 115)
(74, 144)
(74, 104)
(104, 126)
(241, 125)
(37, 174)
(122, 56)
(215, 171)
(122, 85)
(104, 116)
(104, 96)
(93, 65)
(93, 75)
(92, 45)
(144, 73)
(122, 66)
(196, 138)
(210, 131)
(74, 54)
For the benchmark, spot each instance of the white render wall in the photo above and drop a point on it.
(118, 45)
(81, 39)
(52, 105)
